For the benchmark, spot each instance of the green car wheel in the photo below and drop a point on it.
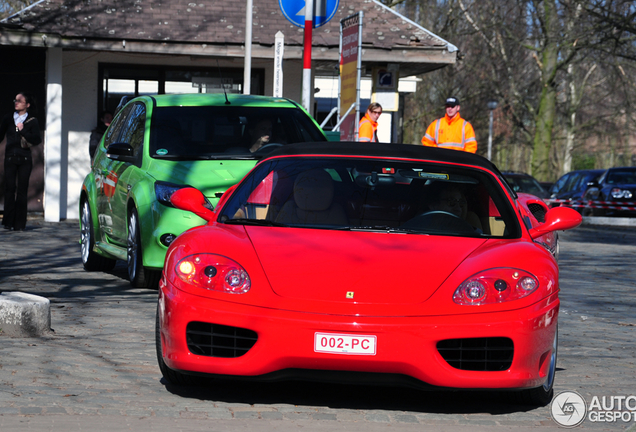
(138, 275)
(90, 259)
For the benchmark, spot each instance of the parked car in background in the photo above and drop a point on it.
(570, 188)
(159, 144)
(547, 185)
(521, 182)
(369, 262)
(615, 192)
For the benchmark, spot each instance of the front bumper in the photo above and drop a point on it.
(405, 345)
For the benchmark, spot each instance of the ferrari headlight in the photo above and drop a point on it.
(213, 272)
(495, 286)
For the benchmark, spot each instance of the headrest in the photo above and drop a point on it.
(313, 190)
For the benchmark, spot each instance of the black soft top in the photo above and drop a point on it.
(406, 151)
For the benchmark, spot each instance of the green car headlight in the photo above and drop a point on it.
(164, 190)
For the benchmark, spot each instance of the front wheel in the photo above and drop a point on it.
(172, 376)
(138, 275)
(91, 260)
(541, 396)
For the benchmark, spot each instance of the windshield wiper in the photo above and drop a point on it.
(253, 222)
(383, 228)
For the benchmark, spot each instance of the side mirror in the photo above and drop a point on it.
(556, 219)
(121, 152)
(191, 199)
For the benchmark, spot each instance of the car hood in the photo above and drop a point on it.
(363, 267)
(209, 176)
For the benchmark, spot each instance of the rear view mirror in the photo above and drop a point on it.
(191, 199)
(557, 218)
(121, 152)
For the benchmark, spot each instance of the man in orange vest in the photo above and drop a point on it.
(451, 131)
(368, 129)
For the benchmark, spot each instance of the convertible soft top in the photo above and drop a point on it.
(407, 151)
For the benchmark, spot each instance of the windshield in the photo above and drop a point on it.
(372, 195)
(525, 184)
(621, 177)
(227, 132)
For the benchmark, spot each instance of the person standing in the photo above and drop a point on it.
(22, 132)
(96, 134)
(368, 129)
(451, 131)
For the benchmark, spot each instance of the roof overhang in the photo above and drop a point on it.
(411, 60)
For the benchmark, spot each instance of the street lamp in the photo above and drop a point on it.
(492, 105)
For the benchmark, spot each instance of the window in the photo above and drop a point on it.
(202, 132)
(134, 128)
(113, 132)
(119, 80)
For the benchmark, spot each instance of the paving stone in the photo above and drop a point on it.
(99, 364)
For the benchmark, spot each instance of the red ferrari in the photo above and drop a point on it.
(379, 262)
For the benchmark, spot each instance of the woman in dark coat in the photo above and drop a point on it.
(22, 132)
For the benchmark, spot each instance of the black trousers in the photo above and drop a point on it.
(17, 170)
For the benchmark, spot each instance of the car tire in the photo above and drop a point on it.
(139, 276)
(542, 395)
(91, 260)
(172, 376)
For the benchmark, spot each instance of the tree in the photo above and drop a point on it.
(547, 62)
(9, 7)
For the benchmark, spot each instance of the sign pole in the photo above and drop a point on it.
(309, 25)
(247, 68)
(279, 48)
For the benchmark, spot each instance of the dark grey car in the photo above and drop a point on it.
(570, 189)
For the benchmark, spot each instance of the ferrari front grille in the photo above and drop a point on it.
(215, 340)
(478, 354)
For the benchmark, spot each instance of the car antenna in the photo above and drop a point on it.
(227, 101)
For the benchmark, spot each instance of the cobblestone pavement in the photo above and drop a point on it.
(97, 370)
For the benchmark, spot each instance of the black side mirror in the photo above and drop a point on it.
(121, 152)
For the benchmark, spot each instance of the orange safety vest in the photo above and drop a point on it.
(368, 130)
(455, 134)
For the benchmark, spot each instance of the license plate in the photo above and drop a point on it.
(344, 343)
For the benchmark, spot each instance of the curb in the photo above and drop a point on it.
(609, 221)
(24, 314)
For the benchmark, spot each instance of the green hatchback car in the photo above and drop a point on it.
(158, 144)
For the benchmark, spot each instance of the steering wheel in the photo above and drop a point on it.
(441, 221)
(438, 212)
(270, 145)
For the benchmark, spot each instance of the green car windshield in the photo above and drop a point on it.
(226, 132)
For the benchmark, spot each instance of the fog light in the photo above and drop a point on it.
(186, 267)
(167, 239)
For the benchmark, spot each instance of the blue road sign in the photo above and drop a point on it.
(294, 11)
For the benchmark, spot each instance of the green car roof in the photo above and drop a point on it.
(207, 99)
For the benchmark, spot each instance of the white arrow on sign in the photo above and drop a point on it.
(320, 11)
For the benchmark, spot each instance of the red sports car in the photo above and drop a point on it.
(372, 261)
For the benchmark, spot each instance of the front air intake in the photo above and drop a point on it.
(478, 354)
(215, 340)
